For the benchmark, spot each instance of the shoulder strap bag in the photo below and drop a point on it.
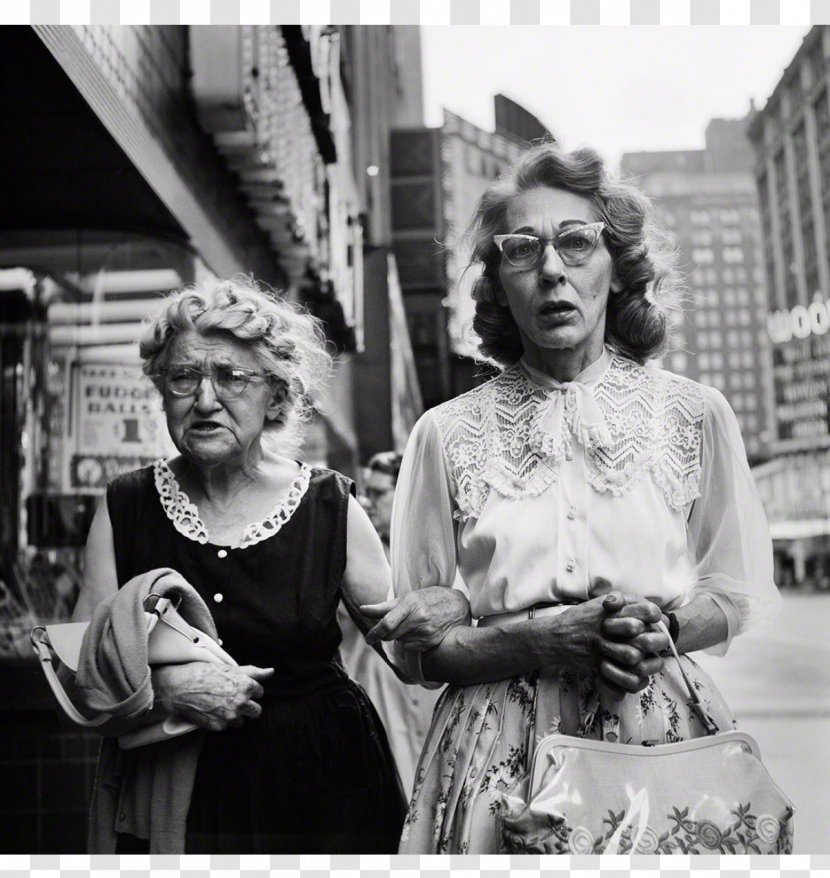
(170, 640)
(706, 795)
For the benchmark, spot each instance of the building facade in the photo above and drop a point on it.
(707, 199)
(790, 136)
(438, 175)
(382, 67)
(138, 159)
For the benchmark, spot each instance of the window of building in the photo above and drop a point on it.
(728, 296)
(733, 254)
(734, 359)
(731, 236)
(716, 358)
(702, 237)
(743, 296)
(730, 217)
(740, 274)
(730, 318)
(703, 255)
(705, 378)
(711, 276)
(703, 361)
(701, 317)
(751, 421)
(678, 361)
(718, 381)
(728, 275)
(700, 217)
(717, 338)
(751, 400)
(748, 359)
(745, 317)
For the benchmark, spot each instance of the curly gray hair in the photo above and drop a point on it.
(288, 342)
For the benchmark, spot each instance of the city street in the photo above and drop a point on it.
(778, 682)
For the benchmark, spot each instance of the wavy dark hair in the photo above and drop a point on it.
(637, 318)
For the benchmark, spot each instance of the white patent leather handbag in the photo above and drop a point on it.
(706, 795)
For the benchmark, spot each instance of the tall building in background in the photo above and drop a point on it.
(383, 75)
(707, 198)
(791, 140)
(438, 175)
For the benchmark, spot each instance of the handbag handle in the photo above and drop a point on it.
(40, 642)
(708, 723)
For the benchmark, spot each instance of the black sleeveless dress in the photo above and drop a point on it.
(314, 773)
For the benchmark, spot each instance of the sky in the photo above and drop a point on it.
(616, 89)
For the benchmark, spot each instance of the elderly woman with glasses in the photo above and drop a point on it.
(296, 760)
(583, 494)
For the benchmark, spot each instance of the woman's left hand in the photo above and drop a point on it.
(419, 619)
(632, 643)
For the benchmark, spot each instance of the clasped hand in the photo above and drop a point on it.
(629, 643)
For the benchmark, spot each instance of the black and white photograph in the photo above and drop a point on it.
(414, 437)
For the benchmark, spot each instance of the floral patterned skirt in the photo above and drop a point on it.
(482, 738)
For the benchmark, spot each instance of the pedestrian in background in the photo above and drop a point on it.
(293, 757)
(583, 495)
(406, 711)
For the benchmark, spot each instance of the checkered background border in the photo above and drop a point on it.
(432, 12)
(429, 12)
(432, 866)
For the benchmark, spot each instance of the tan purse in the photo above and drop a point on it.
(170, 640)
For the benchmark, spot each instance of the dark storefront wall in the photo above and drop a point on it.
(73, 204)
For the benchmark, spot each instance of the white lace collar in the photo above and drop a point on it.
(514, 433)
(185, 516)
(587, 376)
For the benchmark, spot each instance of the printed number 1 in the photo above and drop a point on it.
(131, 430)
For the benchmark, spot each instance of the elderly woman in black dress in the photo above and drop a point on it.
(296, 759)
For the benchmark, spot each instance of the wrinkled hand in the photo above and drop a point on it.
(213, 696)
(630, 643)
(420, 619)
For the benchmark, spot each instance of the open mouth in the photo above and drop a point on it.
(205, 427)
(555, 310)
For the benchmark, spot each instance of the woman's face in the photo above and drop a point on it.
(557, 307)
(205, 428)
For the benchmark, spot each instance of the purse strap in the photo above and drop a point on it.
(708, 723)
(40, 642)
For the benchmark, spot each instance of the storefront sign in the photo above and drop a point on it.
(116, 425)
(800, 322)
(801, 370)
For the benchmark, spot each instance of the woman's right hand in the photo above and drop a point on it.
(615, 634)
(212, 696)
(630, 643)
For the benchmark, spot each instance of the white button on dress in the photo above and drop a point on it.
(222, 553)
(219, 597)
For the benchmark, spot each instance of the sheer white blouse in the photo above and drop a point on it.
(535, 491)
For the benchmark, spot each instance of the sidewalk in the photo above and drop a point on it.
(777, 681)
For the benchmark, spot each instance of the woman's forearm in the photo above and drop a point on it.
(702, 624)
(481, 655)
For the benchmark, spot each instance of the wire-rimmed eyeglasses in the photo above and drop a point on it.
(229, 382)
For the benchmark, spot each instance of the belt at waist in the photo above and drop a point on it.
(533, 612)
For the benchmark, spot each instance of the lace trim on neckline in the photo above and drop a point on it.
(494, 436)
(184, 515)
